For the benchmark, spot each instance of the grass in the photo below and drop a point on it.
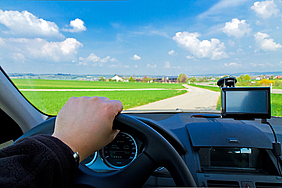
(276, 104)
(276, 100)
(207, 87)
(75, 84)
(50, 102)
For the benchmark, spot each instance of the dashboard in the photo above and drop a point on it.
(220, 152)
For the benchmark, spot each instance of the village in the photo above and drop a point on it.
(243, 79)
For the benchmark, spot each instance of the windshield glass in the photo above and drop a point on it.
(150, 55)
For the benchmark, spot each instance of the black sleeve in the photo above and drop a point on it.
(37, 161)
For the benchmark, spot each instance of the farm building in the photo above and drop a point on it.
(117, 78)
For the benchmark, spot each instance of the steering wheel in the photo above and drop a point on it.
(158, 152)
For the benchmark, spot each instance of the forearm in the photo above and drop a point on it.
(38, 161)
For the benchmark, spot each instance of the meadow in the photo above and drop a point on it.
(50, 102)
(276, 100)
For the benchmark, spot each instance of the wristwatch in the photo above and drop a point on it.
(76, 158)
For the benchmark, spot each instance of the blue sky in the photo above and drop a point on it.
(141, 37)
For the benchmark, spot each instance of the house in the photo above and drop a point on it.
(167, 79)
(117, 78)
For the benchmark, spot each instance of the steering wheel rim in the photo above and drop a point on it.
(142, 167)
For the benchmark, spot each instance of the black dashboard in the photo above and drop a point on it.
(220, 152)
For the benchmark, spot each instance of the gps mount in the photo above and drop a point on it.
(227, 82)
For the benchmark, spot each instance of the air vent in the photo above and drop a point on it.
(216, 183)
(268, 185)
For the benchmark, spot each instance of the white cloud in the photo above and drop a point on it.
(190, 57)
(257, 65)
(213, 49)
(231, 43)
(151, 66)
(113, 59)
(167, 65)
(77, 26)
(135, 57)
(38, 48)
(172, 52)
(236, 28)
(240, 50)
(95, 60)
(91, 58)
(221, 6)
(159, 33)
(117, 65)
(18, 57)
(126, 66)
(232, 64)
(148, 30)
(263, 43)
(82, 63)
(269, 64)
(26, 24)
(104, 60)
(265, 9)
(136, 66)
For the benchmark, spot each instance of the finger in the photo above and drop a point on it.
(104, 99)
(117, 105)
(114, 133)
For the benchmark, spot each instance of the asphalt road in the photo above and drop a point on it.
(197, 99)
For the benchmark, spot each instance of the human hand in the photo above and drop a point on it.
(85, 124)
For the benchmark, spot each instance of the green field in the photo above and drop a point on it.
(51, 102)
(276, 104)
(207, 87)
(276, 100)
(74, 84)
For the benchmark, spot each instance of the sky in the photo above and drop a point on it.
(141, 37)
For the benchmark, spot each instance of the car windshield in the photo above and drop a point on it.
(150, 55)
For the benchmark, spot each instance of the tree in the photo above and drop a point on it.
(131, 79)
(145, 79)
(266, 82)
(102, 78)
(192, 80)
(200, 79)
(246, 77)
(182, 78)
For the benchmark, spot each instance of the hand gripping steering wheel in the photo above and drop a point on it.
(158, 152)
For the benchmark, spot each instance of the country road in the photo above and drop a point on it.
(197, 99)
